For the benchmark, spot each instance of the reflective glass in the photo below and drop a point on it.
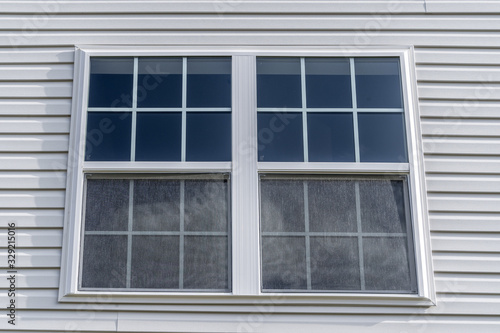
(382, 137)
(330, 137)
(328, 83)
(335, 263)
(106, 205)
(386, 264)
(156, 205)
(159, 82)
(208, 136)
(382, 206)
(209, 82)
(278, 83)
(378, 83)
(282, 205)
(108, 136)
(155, 262)
(332, 205)
(158, 136)
(111, 81)
(104, 261)
(206, 262)
(206, 205)
(280, 137)
(284, 263)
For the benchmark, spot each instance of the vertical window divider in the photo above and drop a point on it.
(307, 235)
(354, 109)
(129, 233)
(360, 237)
(304, 108)
(184, 106)
(181, 233)
(134, 108)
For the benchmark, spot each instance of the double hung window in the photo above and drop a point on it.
(233, 174)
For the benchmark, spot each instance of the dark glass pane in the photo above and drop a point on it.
(386, 264)
(111, 82)
(284, 263)
(328, 83)
(108, 136)
(209, 82)
(206, 262)
(332, 206)
(280, 137)
(278, 83)
(282, 205)
(206, 205)
(104, 261)
(378, 83)
(330, 137)
(158, 136)
(208, 136)
(107, 205)
(382, 137)
(382, 206)
(156, 205)
(155, 262)
(335, 263)
(159, 82)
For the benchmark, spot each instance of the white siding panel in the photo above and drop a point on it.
(468, 283)
(467, 263)
(466, 243)
(234, 38)
(462, 164)
(36, 72)
(34, 258)
(35, 89)
(31, 199)
(33, 143)
(33, 161)
(36, 55)
(283, 22)
(481, 74)
(462, 109)
(211, 7)
(460, 56)
(459, 146)
(32, 278)
(30, 180)
(49, 107)
(461, 127)
(463, 184)
(34, 125)
(479, 203)
(33, 218)
(465, 222)
(458, 91)
(34, 238)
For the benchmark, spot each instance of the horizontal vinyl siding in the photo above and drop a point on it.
(457, 54)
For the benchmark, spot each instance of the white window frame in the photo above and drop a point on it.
(244, 169)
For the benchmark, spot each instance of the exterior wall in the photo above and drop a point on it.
(457, 53)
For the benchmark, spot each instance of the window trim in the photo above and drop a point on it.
(245, 204)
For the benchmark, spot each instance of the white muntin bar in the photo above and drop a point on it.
(181, 234)
(360, 237)
(129, 231)
(307, 236)
(304, 108)
(183, 109)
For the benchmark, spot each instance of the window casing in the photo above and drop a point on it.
(246, 169)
